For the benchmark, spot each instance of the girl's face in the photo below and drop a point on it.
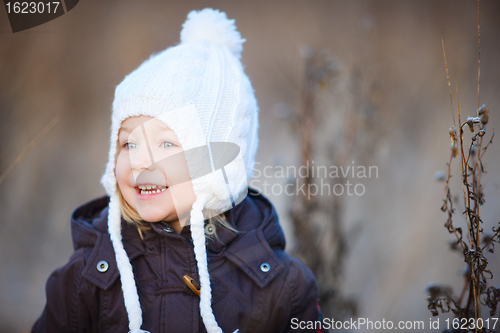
(152, 172)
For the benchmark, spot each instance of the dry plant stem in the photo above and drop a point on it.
(477, 301)
(449, 84)
(306, 129)
(464, 169)
(477, 274)
(469, 154)
(448, 196)
(478, 54)
(325, 262)
(307, 121)
(470, 222)
(477, 222)
(476, 167)
(449, 209)
(490, 240)
(491, 141)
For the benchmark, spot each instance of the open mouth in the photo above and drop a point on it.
(151, 189)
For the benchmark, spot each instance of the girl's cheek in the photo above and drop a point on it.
(122, 166)
(165, 155)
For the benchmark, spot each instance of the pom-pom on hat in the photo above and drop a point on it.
(212, 26)
(200, 91)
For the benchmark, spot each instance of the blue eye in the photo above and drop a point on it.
(166, 144)
(129, 145)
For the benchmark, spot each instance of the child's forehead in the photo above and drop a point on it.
(131, 124)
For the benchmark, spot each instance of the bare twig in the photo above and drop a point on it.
(478, 54)
(477, 273)
(449, 84)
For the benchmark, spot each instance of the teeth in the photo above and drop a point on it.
(158, 190)
(151, 187)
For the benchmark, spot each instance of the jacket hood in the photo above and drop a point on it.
(255, 218)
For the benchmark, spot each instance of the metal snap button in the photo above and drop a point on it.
(102, 266)
(265, 267)
(210, 229)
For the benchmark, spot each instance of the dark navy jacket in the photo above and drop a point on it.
(83, 298)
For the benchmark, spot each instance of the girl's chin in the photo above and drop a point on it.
(155, 218)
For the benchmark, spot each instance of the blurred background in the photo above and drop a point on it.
(344, 83)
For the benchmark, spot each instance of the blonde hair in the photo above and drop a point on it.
(130, 215)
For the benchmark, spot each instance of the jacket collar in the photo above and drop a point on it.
(259, 235)
(252, 249)
(89, 229)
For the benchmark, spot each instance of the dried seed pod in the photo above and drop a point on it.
(481, 133)
(484, 118)
(454, 149)
(484, 113)
(471, 121)
(453, 134)
(453, 140)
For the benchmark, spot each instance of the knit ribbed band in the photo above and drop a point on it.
(129, 287)
(200, 251)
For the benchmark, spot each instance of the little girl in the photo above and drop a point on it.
(180, 244)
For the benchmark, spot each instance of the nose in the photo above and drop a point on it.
(141, 158)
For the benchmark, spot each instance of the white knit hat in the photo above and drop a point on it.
(199, 90)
